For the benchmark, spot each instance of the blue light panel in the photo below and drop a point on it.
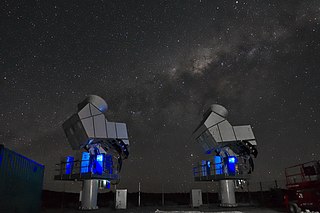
(218, 165)
(204, 168)
(99, 164)
(85, 162)
(69, 165)
(232, 160)
(208, 170)
(109, 164)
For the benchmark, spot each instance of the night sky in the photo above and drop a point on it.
(160, 65)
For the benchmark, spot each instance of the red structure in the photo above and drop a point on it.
(303, 184)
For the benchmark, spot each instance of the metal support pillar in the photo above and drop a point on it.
(89, 194)
(139, 197)
(228, 198)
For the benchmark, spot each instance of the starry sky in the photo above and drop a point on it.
(160, 65)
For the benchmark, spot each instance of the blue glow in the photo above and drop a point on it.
(232, 160)
(102, 109)
(218, 165)
(85, 162)
(27, 159)
(69, 165)
(204, 168)
(100, 158)
(90, 141)
(99, 164)
(109, 164)
(208, 170)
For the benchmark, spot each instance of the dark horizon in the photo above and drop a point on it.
(159, 66)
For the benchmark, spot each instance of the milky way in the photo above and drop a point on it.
(160, 65)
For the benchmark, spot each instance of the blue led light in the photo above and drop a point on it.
(99, 164)
(109, 164)
(100, 158)
(85, 162)
(69, 165)
(232, 159)
(218, 165)
(102, 109)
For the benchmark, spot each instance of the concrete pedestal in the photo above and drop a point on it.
(89, 194)
(227, 193)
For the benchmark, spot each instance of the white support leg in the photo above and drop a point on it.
(228, 198)
(89, 194)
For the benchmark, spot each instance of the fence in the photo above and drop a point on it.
(264, 193)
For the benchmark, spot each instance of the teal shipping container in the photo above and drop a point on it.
(21, 181)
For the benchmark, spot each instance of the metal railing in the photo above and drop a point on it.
(218, 169)
(303, 173)
(84, 168)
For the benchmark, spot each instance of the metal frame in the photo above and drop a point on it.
(77, 175)
(212, 176)
(301, 179)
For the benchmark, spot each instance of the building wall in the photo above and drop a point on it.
(21, 181)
